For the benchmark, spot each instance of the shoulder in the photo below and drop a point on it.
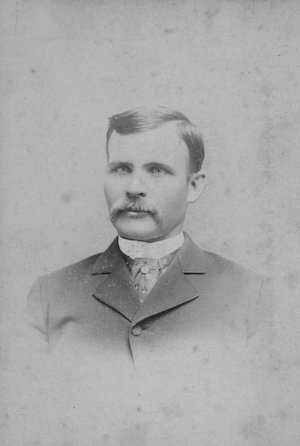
(232, 280)
(194, 259)
(64, 278)
(226, 283)
(228, 280)
(220, 265)
(236, 291)
(75, 270)
(64, 287)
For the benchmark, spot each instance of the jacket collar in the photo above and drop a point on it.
(173, 288)
(192, 259)
(117, 290)
(108, 260)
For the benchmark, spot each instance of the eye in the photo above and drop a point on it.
(158, 171)
(122, 170)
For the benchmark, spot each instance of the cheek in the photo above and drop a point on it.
(110, 196)
(112, 190)
(172, 199)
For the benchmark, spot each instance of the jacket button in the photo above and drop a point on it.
(137, 330)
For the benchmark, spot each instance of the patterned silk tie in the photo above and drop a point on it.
(146, 272)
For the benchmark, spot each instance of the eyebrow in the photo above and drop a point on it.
(118, 163)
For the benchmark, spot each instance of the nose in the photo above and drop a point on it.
(136, 187)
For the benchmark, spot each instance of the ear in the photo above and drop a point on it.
(196, 186)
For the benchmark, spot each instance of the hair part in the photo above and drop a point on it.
(143, 119)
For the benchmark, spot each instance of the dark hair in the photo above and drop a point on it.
(143, 119)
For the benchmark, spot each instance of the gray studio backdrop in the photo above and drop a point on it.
(231, 66)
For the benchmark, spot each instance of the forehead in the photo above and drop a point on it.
(160, 144)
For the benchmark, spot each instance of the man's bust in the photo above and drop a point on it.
(153, 291)
(153, 341)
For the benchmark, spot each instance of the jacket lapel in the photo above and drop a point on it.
(172, 290)
(116, 289)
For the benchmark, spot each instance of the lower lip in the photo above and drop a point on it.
(136, 214)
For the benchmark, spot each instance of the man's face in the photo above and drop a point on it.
(147, 184)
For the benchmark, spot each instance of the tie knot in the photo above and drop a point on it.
(145, 265)
(145, 272)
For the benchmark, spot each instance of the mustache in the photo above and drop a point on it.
(134, 206)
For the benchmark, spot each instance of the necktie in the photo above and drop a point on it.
(146, 272)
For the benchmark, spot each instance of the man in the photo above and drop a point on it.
(149, 341)
(153, 284)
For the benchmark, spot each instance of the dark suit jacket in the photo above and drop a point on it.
(93, 304)
(184, 367)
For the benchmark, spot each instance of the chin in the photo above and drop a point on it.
(141, 232)
(142, 236)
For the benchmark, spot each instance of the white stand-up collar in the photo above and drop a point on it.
(155, 250)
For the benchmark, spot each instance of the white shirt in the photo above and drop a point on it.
(152, 250)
